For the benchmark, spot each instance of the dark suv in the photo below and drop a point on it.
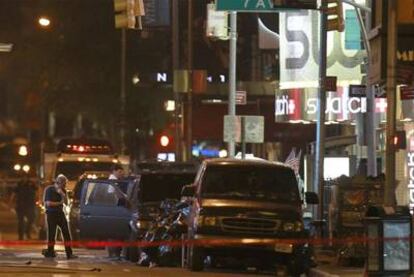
(245, 200)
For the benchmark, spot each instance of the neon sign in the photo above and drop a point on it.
(334, 105)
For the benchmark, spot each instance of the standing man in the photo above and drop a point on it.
(117, 172)
(25, 197)
(54, 198)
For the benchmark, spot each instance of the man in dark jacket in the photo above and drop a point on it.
(24, 194)
(54, 198)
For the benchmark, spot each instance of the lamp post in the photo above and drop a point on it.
(190, 89)
(175, 66)
(123, 92)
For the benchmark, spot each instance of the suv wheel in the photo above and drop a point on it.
(196, 259)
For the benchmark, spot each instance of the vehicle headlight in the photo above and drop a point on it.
(210, 221)
(296, 226)
(143, 224)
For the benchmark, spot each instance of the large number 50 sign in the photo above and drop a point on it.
(299, 52)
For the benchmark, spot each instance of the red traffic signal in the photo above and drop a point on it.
(400, 140)
(164, 140)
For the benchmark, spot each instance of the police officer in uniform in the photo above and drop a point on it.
(54, 198)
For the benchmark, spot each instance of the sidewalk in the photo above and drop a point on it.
(8, 222)
(332, 271)
(327, 267)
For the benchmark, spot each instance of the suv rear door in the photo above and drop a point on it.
(104, 213)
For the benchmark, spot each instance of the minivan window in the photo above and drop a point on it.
(256, 182)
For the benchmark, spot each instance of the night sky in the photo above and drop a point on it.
(72, 67)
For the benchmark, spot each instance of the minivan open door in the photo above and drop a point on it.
(105, 209)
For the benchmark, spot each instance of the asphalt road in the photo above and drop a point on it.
(27, 260)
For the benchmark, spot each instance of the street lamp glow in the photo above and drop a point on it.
(23, 150)
(26, 168)
(135, 79)
(169, 105)
(44, 22)
(223, 153)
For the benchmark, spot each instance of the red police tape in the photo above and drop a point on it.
(234, 242)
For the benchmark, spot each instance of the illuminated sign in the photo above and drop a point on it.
(301, 104)
(299, 33)
(336, 105)
(164, 77)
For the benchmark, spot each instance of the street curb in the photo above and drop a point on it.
(319, 273)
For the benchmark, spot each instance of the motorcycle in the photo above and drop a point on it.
(168, 227)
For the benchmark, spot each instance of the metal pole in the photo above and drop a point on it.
(389, 193)
(175, 65)
(123, 94)
(370, 132)
(320, 126)
(243, 134)
(232, 76)
(190, 87)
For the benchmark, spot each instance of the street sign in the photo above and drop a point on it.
(241, 98)
(377, 58)
(264, 5)
(217, 23)
(357, 91)
(231, 128)
(253, 128)
(181, 81)
(407, 93)
(330, 83)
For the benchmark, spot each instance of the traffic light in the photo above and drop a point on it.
(335, 16)
(400, 140)
(164, 141)
(128, 13)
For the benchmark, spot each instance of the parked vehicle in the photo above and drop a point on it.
(104, 216)
(105, 208)
(169, 226)
(247, 199)
(73, 156)
(153, 188)
(73, 209)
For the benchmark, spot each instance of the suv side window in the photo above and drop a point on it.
(101, 194)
